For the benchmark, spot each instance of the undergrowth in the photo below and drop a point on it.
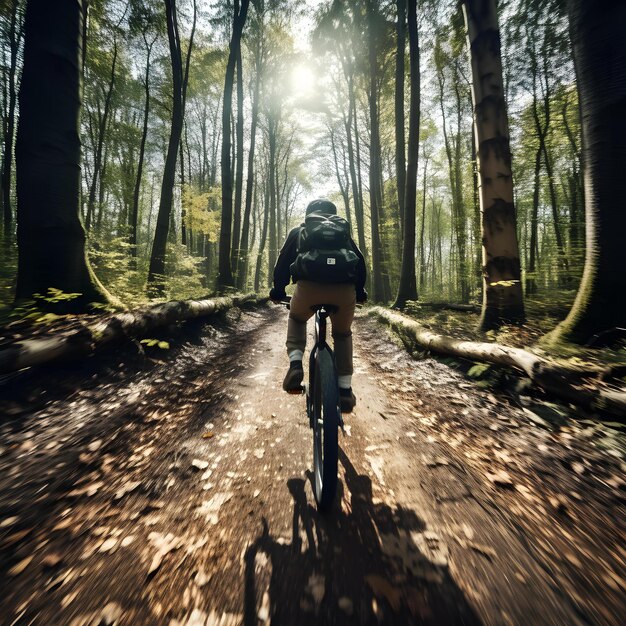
(543, 313)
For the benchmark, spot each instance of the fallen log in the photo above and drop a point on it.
(89, 336)
(452, 306)
(563, 381)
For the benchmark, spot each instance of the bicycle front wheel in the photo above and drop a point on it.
(325, 405)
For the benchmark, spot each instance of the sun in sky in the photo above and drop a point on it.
(302, 80)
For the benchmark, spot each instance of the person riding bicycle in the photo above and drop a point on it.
(327, 267)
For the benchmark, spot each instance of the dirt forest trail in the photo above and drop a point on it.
(176, 491)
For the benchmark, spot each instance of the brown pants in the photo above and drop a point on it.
(308, 294)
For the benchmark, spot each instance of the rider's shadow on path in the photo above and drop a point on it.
(364, 563)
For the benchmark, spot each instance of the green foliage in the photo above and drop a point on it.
(163, 345)
(201, 210)
(115, 267)
(184, 275)
(478, 370)
(125, 276)
(54, 296)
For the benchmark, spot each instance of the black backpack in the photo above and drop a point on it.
(325, 253)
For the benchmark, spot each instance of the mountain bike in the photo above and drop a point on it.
(322, 406)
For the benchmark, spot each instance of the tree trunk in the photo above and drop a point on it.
(356, 194)
(277, 212)
(50, 235)
(98, 161)
(346, 177)
(408, 287)
(558, 235)
(242, 268)
(156, 274)
(271, 206)
(401, 173)
(259, 258)
(575, 240)
(183, 208)
(7, 160)
(477, 273)
(459, 206)
(360, 213)
(225, 275)
(343, 186)
(102, 188)
(502, 290)
(378, 288)
(236, 247)
(454, 176)
(422, 228)
(598, 32)
(142, 151)
(577, 217)
(183, 212)
(531, 278)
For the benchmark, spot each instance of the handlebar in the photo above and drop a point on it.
(287, 301)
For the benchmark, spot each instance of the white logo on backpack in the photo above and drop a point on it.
(331, 261)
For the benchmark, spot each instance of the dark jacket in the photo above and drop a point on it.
(289, 252)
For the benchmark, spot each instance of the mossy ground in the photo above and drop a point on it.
(543, 313)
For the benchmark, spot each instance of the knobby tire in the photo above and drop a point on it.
(325, 439)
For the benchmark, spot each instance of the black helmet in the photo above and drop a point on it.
(321, 205)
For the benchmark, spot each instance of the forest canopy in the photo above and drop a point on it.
(206, 127)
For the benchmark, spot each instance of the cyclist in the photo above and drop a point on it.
(321, 257)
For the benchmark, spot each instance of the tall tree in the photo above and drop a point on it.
(401, 173)
(183, 217)
(380, 281)
(542, 121)
(502, 289)
(103, 115)
(225, 276)
(236, 249)
(156, 272)
(264, 228)
(50, 235)
(143, 20)
(14, 37)
(407, 289)
(272, 131)
(598, 32)
(258, 53)
(356, 187)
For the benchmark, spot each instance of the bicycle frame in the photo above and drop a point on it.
(321, 315)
